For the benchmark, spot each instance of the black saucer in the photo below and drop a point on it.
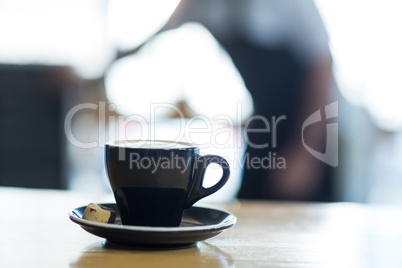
(197, 224)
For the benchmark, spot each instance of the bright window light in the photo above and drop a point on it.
(130, 22)
(186, 64)
(82, 34)
(366, 46)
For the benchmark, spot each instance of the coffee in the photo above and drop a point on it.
(154, 181)
(152, 144)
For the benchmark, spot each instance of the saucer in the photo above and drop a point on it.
(198, 223)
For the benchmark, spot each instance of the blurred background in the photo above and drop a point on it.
(83, 66)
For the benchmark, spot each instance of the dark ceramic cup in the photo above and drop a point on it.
(155, 181)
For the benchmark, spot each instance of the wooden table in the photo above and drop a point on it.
(36, 232)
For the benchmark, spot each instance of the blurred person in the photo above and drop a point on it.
(280, 48)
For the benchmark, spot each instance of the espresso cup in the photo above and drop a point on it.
(155, 181)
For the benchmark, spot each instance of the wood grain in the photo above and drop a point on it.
(36, 232)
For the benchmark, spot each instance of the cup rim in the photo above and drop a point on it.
(186, 145)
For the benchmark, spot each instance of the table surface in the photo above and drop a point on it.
(35, 231)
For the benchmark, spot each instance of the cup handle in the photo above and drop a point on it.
(197, 191)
